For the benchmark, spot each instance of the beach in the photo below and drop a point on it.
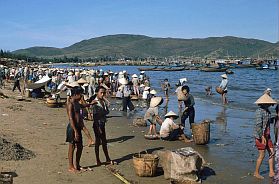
(230, 155)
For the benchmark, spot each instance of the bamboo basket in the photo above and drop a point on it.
(52, 103)
(219, 90)
(145, 164)
(201, 132)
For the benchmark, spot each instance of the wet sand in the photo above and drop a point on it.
(231, 153)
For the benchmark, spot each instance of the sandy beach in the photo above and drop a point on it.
(230, 154)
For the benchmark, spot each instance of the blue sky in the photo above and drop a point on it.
(60, 23)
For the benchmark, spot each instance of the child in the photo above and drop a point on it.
(152, 115)
(170, 131)
(166, 88)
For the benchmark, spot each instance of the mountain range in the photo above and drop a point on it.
(127, 45)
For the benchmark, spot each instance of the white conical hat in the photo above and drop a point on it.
(70, 73)
(153, 92)
(142, 85)
(171, 113)
(123, 81)
(105, 73)
(265, 99)
(120, 73)
(146, 88)
(83, 72)
(135, 76)
(72, 85)
(81, 81)
(142, 72)
(155, 101)
(224, 76)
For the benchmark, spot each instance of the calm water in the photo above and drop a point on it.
(244, 88)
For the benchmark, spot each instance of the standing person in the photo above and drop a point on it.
(166, 88)
(152, 115)
(100, 110)
(126, 101)
(180, 97)
(262, 134)
(224, 87)
(189, 110)
(74, 136)
(17, 84)
(135, 82)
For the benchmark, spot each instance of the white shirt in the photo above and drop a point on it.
(144, 95)
(167, 126)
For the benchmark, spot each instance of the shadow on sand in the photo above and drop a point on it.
(120, 139)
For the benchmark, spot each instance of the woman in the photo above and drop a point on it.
(262, 134)
(224, 86)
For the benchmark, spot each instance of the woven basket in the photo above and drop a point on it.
(145, 164)
(219, 90)
(201, 132)
(52, 103)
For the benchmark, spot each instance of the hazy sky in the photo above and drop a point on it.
(60, 23)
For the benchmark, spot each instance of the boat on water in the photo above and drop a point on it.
(213, 69)
(166, 69)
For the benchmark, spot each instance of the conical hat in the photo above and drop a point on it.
(142, 85)
(171, 113)
(146, 88)
(105, 73)
(72, 85)
(224, 76)
(153, 92)
(123, 81)
(70, 73)
(81, 81)
(135, 76)
(265, 99)
(155, 101)
(83, 72)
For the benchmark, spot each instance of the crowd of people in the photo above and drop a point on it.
(87, 94)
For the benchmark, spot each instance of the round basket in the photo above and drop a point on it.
(219, 90)
(201, 132)
(52, 103)
(145, 164)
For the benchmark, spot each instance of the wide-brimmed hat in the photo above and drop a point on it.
(153, 92)
(142, 85)
(146, 88)
(171, 114)
(156, 101)
(224, 76)
(135, 76)
(81, 81)
(72, 84)
(142, 72)
(123, 81)
(70, 73)
(105, 73)
(265, 99)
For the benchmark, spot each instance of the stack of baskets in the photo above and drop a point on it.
(145, 164)
(201, 132)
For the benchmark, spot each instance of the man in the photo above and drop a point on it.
(74, 136)
(166, 88)
(100, 110)
(224, 87)
(189, 110)
(126, 101)
(17, 84)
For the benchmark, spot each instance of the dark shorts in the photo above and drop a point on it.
(225, 91)
(100, 133)
(70, 135)
(172, 136)
(261, 146)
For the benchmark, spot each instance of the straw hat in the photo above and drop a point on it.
(124, 71)
(123, 81)
(72, 85)
(83, 72)
(224, 76)
(142, 72)
(153, 92)
(265, 99)
(70, 73)
(105, 73)
(81, 81)
(142, 85)
(171, 113)
(135, 76)
(146, 88)
(156, 101)
(110, 72)
(120, 73)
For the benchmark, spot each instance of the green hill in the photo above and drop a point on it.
(125, 45)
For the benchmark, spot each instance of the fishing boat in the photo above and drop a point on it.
(213, 69)
(166, 69)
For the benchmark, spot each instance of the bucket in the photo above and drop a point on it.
(201, 132)
(219, 90)
(145, 164)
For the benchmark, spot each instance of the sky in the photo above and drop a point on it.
(61, 23)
